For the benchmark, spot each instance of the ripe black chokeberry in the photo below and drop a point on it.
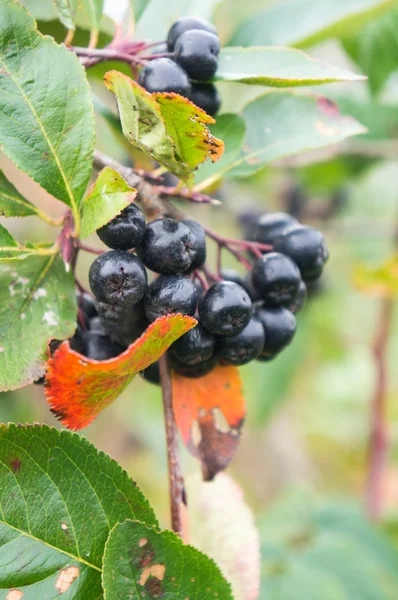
(307, 247)
(225, 309)
(240, 349)
(207, 97)
(192, 371)
(200, 237)
(186, 24)
(300, 299)
(152, 373)
(123, 324)
(196, 51)
(118, 277)
(170, 294)
(276, 278)
(168, 246)
(279, 328)
(164, 75)
(125, 231)
(195, 346)
(100, 347)
(272, 225)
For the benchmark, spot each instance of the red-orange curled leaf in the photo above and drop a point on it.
(209, 413)
(79, 388)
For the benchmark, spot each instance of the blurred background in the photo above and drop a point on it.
(303, 460)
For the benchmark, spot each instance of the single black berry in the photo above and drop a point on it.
(152, 373)
(271, 225)
(196, 51)
(118, 277)
(225, 309)
(200, 237)
(170, 294)
(299, 301)
(186, 24)
(279, 327)
(168, 246)
(164, 75)
(125, 231)
(195, 346)
(207, 97)
(100, 347)
(307, 247)
(124, 324)
(193, 371)
(240, 349)
(276, 278)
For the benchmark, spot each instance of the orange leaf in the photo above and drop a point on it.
(209, 413)
(79, 388)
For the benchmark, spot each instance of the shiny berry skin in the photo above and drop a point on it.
(207, 97)
(195, 346)
(271, 225)
(300, 300)
(152, 374)
(200, 236)
(125, 231)
(100, 347)
(244, 347)
(168, 247)
(123, 324)
(307, 247)
(164, 75)
(193, 371)
(186, 24)
(225, 309)
(196, 51)
(279, 327)
(118, 277)
(170, 294)
(276, 278)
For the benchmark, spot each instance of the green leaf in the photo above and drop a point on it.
(43, 91)
(375, 49)
(65, 10)
(6, 239)
(159, 16)
(9, 247)
(380, 118)
(277, 67)
(138, 7)
(303, 23)
(60, 499)
(230, 128)
(38, 303)
(281, 124)
(167, 127)
(71, 12)
(140, 562)
(12, 203)
(109, 195)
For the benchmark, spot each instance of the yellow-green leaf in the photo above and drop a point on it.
(381, 281)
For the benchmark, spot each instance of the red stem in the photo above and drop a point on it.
(378, 446)
(152, 56)
(203, 282)
(90, 249)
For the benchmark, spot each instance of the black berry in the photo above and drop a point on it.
(240, 349)
(118, 277)
(193, 371)
(168, 246)
(164, 75)
(207, 97)
(195, 346)
(279, 327)
(87, 305)
(186, 24)
(196, 51)
(225, 309)
(276, 278)
(307, 247)
(152, 373)
(271, 225)
(200, 237)
(299, 301)
(125, 231)
(100, 347)
(170, 294)
(123, 324)
(231, 275)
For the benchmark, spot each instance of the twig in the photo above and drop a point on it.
(378, 446)
(103, 54)
(176, 481)
(203, 282)
(90, 249)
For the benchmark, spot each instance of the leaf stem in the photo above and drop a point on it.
(176, 481)
(378, 445)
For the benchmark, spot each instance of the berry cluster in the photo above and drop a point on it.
(193, 46)
(239, 319)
